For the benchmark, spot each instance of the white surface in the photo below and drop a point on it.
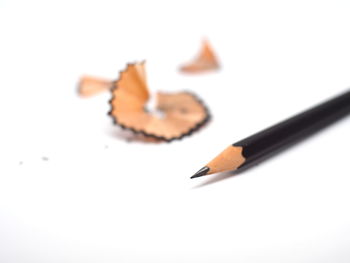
(134, 202)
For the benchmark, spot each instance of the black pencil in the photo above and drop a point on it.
(269, 141)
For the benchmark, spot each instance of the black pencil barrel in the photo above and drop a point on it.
(294, 129)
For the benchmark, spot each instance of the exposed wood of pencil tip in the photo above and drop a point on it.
(229, 159)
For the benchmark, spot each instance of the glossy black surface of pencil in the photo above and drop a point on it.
(293, 129)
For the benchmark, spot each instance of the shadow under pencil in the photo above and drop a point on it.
(268, 157)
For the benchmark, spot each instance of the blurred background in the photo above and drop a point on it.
(73, 190)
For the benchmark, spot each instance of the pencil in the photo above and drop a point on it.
(267, 142)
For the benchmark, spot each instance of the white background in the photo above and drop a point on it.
(99, 198)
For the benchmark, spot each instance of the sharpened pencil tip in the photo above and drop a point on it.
(201, 172)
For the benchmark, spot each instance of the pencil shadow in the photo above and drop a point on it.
(268, 157)
(226, 175)
(217, 178)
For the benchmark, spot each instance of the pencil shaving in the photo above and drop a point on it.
(181, 112)
(90, 86)
(205, 61)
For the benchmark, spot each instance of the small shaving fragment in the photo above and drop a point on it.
(205, 61)
(90, 86)
(182, 112)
